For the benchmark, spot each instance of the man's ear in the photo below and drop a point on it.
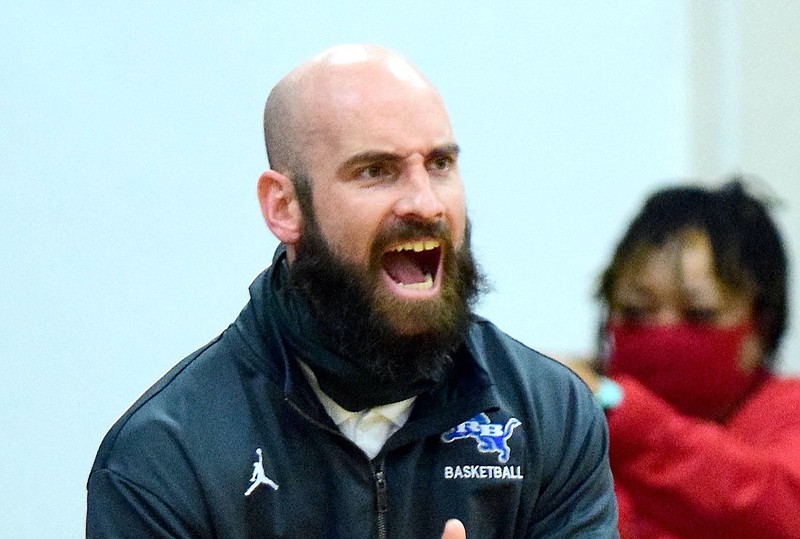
(279, 206)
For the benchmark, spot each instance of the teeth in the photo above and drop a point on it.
(417, 246)
(424, 285)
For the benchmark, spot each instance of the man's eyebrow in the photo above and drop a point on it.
(371, 156)
(446, 149)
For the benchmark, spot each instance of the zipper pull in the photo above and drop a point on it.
(382, 502)
(380, 483)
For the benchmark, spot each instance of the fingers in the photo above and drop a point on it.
(454, 529)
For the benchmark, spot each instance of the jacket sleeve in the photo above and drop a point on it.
(143, 484)
(697, 478)
(577, 499)
(118, 507)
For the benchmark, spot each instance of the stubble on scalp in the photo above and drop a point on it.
(282, 127)
(295, 105)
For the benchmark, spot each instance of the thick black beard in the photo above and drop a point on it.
(356, 319)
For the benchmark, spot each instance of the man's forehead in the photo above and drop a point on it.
(353, 99)
(344, 142)
(393, 125)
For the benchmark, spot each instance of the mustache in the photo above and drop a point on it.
(412, 229)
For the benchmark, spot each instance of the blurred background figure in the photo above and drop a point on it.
(705, 437)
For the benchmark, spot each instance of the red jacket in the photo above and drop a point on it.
(681, 477)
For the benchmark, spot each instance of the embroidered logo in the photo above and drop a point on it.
(491, 437)
(259, 477)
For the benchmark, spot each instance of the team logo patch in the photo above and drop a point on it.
(491, 437)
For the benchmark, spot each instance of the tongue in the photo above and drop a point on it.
(402, 268)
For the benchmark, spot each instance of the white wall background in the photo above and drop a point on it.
(745, 112)
(130, 143)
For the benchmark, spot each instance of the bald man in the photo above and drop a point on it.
(357, 395)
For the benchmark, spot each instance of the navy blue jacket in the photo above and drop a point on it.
(232, 442)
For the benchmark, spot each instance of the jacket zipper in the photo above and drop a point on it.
(379, 476)
(381, 499)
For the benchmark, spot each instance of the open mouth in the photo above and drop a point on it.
(413, 265)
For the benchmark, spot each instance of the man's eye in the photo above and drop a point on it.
(375, 171)
(442, 162)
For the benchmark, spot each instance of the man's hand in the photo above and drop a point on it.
(454, 529)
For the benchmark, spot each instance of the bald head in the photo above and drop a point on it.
(305, 106)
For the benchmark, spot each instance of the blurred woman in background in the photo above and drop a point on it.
(705, 438)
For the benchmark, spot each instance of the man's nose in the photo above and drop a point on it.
(419, 197)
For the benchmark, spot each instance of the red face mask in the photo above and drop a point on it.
(694, 367)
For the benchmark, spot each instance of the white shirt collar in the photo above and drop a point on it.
(396, 412)
(368, 429)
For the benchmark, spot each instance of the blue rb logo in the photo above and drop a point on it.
(491, 437)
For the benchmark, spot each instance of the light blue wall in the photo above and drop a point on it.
(130, 143)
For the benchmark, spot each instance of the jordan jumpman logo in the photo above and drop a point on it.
(259, 477)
